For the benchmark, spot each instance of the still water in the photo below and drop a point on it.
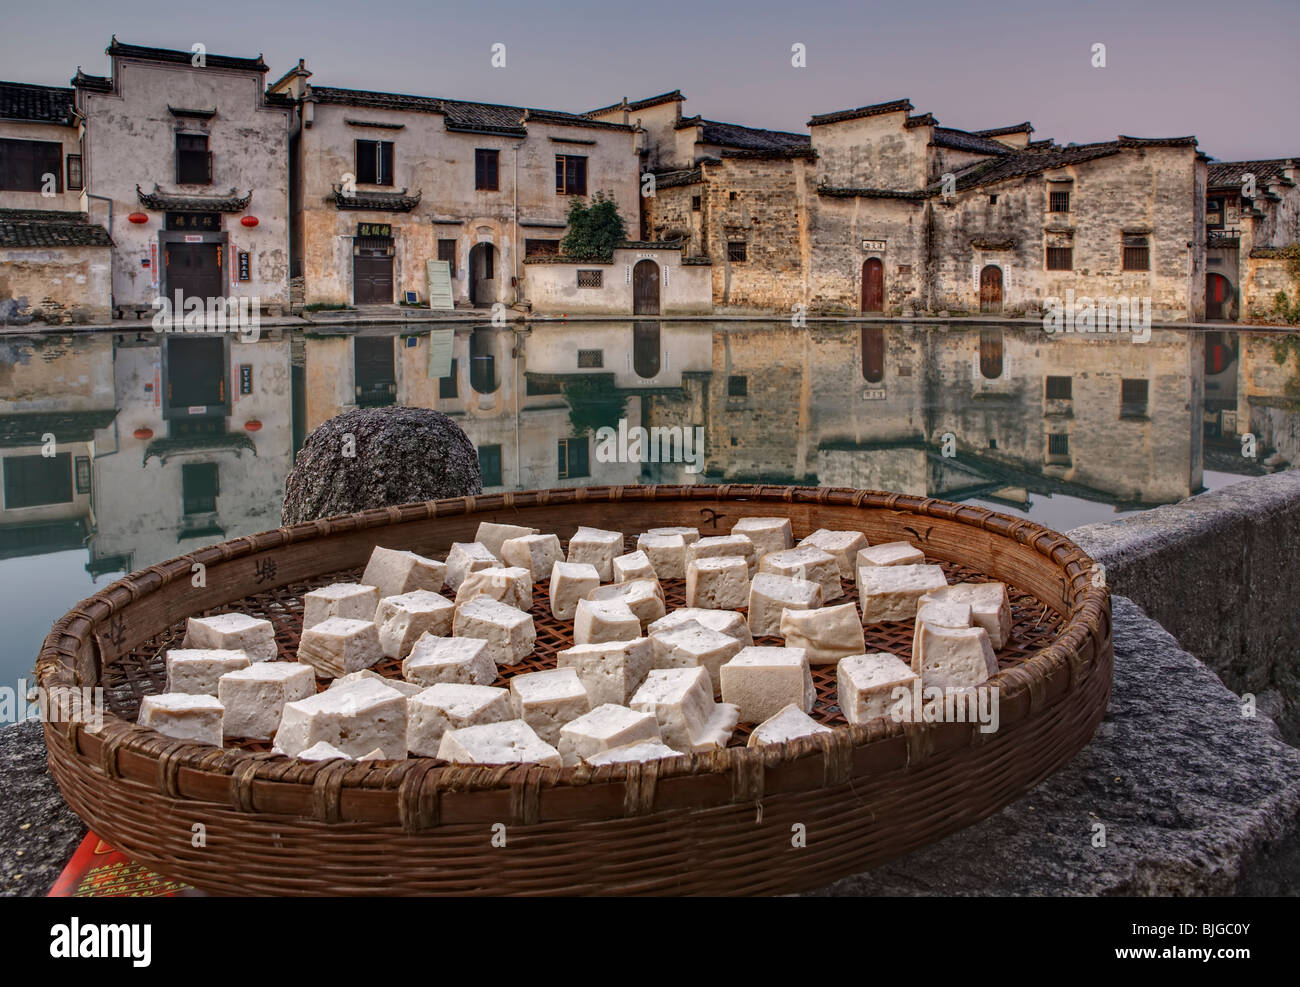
(163, 444)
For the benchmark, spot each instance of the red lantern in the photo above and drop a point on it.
(252, 425)
(143, 433)
(249, 221)
(138, 217)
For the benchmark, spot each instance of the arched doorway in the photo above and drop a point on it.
(873, 285)
(645, 349)
(991, 290)
(645, 288)
(1220, 299)
(483, 360)
(991, 353)
(873, 354)
(482, 274)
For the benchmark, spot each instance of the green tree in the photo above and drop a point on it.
(595, 229)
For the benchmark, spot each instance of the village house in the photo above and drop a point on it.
(1252, 217)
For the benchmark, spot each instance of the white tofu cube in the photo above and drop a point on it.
(405, 688)
(761, 682)
(403, 619)
(810, 564)
(667, 553)
(604, 620)
(785, 724)
(892, 592)
(769, 534)
(954, 657)
(351, 600)
(493, 536)
(717, 583)
(511, 742)
(198, 670)
(254, 697)
(596, 547)
(232, 632)
(394, 572)
(692, 645)
(717, 546)
(770, 594)
(989, 605)
(638, 753)
(536, 553)
(682, 701)
(467, 557)
(322, 751)
(936, 615)
(467, 660)
(633, 565)
(644, 597)
(726, 622)
(512, 585)
(357, 719)
(866, 685)
(844, 545)
(338, 645)
(451, 706)
(184, 716)
(509, 632)
(548, 700)
(688, 534)
(604, 727)
(570, 582)
(826, 634)
(890, 553)
(609, 671)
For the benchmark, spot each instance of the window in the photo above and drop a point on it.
(541, 248)
(591, 359)
(374, 162)
(696, 202)
(1214, 214)
(1133, 398)
(485, 169)
(193, 160)
(33, 481)
(1060, 388)
(24, 165)
(1060, 258)
(1058, 201)
(570, 175)
(83, 474)
(737, 386)
(1058, 445)
(572, 456)
(731, 196)
(590, 279)
(993, 200)
(447, 252)
(1137, 253)
(75, 181)
(489, 465)
(736, 250)
(447, 385)
(199, 487)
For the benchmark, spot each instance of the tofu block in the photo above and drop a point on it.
(232, 632)
(467, 557)
(717, 583)
(493, 536)
(393, 572)
(844, 545)
(351, 600)
(508, 632)
(604, 727)
(511, 742)
(785, 724)
(512, 585)
(357, 719)
(890, 553)
(570, 582)
(826, 634)
(989, 604)
(596, 547)
(184, 716)
(639, 753)
(322, 751)
(810, 564)
(770, 594)
(466, 660)
(689, 535)
(254, 696)
(726, 622)
(405, 688)
(403, 619)
(644, 597)
(682, 701)
(769, 534)
(865, 684)
(667, 553)
(536, 553)
(761, 682)
(954, 657)
(936, 615)
(717, 546)
(892, 592)
(604, 620)
(338, 645)
(633, 565)
(451, 706)
(197, 670)
(609, 671)
(548, 700)
(692, 645)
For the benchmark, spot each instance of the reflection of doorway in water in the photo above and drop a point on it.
(645, 349)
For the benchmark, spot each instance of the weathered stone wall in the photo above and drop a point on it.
(873, 152)
(56, 373)
(1262, 279)
(61, 284)
(552, 287)
(840, 225)
(669, 212)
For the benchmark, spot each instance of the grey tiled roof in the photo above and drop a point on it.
(116, 48)
(380, 201)
(672, 179)
(50, 228)
(960, 140)
(640, 104)
(1018, 128)
(93, 83)
(1227, 174)
(894, 106)
(41, 104)
(751, 138)
(28, 428)
(232, 201)
(852, 192)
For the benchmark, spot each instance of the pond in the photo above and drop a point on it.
(123, 449)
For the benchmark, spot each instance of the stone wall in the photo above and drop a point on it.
(61, 284)
(1263, 278)
(551, 287)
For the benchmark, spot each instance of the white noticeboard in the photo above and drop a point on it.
(440, 285)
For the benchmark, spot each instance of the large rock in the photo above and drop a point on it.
(378, 457)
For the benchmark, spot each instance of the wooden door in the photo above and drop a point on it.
(645, 288)
(1218, 296)
(372, 278)
(991, 290)
(196, 372)
(376, 376)
(873, 285)
(193, 269)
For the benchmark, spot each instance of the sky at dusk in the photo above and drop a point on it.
(1226, 73)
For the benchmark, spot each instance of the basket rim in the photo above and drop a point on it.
(1025, 690)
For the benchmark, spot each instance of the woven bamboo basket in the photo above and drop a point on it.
(742, 820)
